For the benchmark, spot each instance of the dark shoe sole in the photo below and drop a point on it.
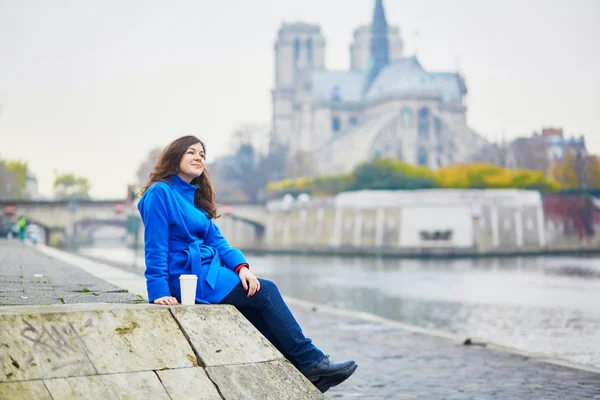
(324, 383)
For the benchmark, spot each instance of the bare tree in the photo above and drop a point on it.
(246, 168)
(146, 167)
(301, 164)
(249, 168)
(256, 136)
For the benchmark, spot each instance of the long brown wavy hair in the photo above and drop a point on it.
(168, 166)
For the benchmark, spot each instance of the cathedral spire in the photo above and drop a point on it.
(379, 44)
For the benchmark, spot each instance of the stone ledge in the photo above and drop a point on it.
(141, 351)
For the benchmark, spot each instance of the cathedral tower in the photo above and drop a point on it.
(298, 47)
(380, 47)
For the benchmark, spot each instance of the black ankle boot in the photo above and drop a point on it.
(327, 374)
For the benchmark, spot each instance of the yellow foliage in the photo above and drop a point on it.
(565, 172)
(460, 176)
(502, 180)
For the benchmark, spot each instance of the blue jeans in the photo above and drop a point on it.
(267, 311)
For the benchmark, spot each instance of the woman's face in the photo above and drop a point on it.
(192, 163)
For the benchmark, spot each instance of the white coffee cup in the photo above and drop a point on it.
(187, 284)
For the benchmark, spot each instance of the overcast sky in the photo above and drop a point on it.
(90, 87)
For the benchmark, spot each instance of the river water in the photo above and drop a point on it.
(544, 305)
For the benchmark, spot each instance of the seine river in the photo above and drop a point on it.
(545, 305)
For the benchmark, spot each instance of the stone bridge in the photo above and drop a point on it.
(65, 220)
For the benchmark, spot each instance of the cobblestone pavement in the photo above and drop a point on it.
(394, 363)
(29, 277)
(398, 364)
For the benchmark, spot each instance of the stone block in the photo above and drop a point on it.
(133, 338)
(270, 380)
(138, 385)
(188, 384)
(86, 339)
(34, 346)
(34, 390)
(222, 336)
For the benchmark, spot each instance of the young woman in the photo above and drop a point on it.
(177, 207)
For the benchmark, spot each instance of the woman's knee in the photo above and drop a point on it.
(267, 285)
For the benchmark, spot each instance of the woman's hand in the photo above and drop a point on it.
(249, 281)
(166, 301)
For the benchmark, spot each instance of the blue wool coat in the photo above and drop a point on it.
(180, 239)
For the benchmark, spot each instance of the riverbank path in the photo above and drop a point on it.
(395, 362)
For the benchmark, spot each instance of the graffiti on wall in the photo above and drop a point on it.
(45, 346)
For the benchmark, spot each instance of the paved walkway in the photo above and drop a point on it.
(394, 363)
(28, 277)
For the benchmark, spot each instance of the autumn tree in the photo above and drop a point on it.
(565, 171)
(389, 174)
(13, 179)
(69, 186)
(8, 182)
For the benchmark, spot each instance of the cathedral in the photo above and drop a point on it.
(385, 105)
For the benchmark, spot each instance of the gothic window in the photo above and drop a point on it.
(296, 50)
(353, 120)
(407, 118)
(422, 156)
(336, 124)
(424, 123)
(309, 51)
(335, 94)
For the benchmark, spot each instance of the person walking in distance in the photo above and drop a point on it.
(22, 227)
(178, 207)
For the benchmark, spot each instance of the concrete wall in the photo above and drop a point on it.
(438, 221)
(110, 351)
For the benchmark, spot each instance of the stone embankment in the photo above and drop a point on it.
(205, 352)
(117, 351)
(99, 349)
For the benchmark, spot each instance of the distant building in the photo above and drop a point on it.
(529, 153)
(386, 105)
(559, 146)
(538, 152)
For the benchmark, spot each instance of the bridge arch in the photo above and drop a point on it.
(60, 218)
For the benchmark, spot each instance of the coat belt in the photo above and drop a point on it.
(194, 251)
